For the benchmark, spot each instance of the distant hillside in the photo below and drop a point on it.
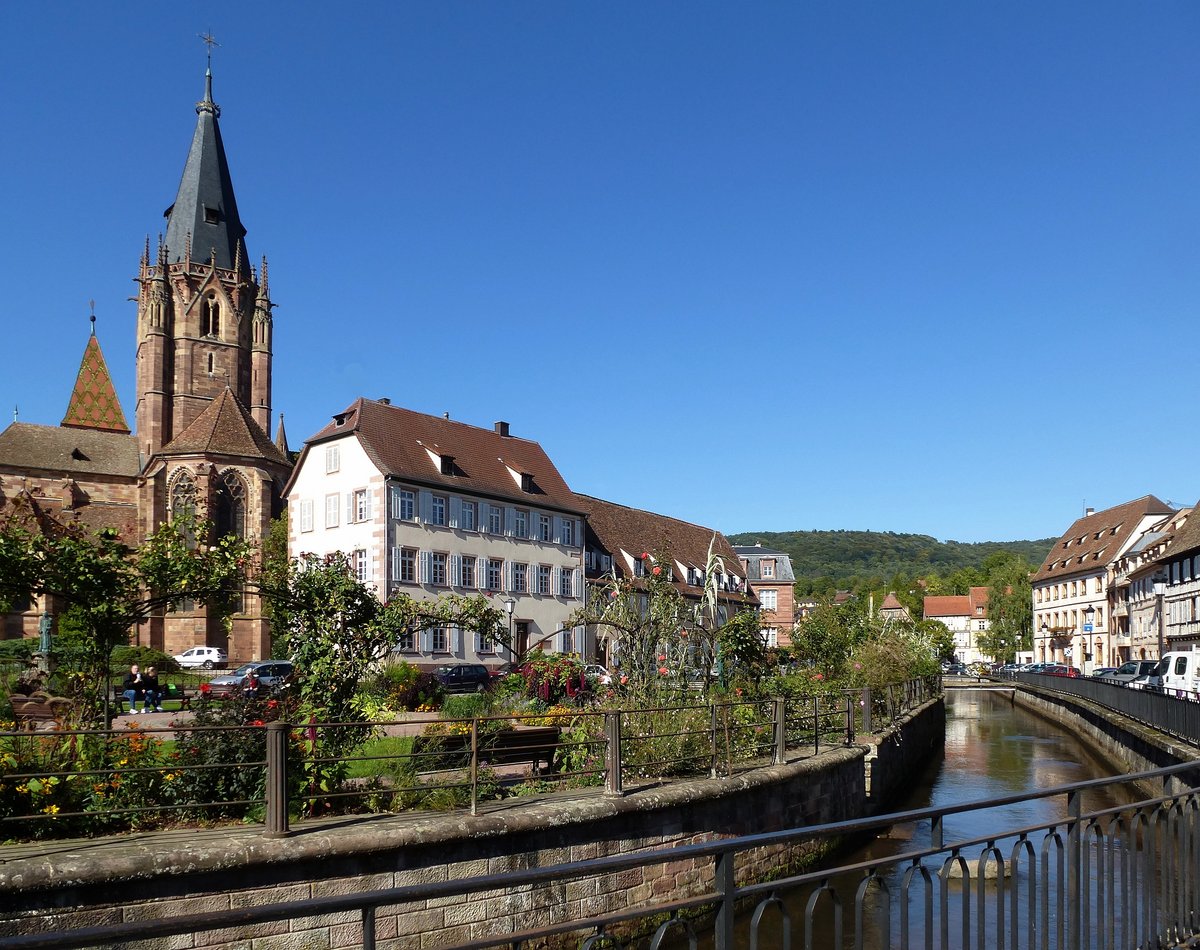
(848, 558)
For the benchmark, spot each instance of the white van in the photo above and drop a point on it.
(1179, 674)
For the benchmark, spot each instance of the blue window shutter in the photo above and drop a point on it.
(426, 504)
(555, 575)
(578, 533)
(510, 519)
(455, 511)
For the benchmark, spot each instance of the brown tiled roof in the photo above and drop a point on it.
(618, 528)
(891, 602)
(954, 605)
(1094, 540)
(225, 428)
(1187, 536)
(74, 451)
(94, 403)
(399, 442)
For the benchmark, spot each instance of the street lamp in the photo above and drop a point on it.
(1045, 638)
(509, 606)
(1089, 614)
(1160, 590)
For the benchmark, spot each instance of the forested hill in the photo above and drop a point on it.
(850, 558)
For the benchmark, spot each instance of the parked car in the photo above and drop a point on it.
(464, 678)
(957, 669)
(1179, 674)
(204, 658)
(598, 673)
(1136, 674)
(1103, 671)
(1061, 669)
(265, 677)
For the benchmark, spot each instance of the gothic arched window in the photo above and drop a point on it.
(210, 316)
(230, 506)
(183, 497)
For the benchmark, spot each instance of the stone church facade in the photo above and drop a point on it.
(203, 408)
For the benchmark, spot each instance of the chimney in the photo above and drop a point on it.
(383, 400)
(1088, 512)
(502, 429)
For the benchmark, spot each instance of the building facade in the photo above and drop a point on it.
(424, 506)
(769, 574)
(965, 616)
(1073, 588)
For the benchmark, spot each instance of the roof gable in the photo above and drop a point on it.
(225, 428)
(1096, 540)
(94, 403)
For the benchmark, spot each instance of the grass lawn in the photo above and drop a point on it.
(379, 756)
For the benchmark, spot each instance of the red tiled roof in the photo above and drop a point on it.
(955, 605)
(1093, 541)
(399, 442)
(225, 428)
(94, 403)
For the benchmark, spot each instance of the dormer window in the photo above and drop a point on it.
(212, 215)
(526, 482)
(446, 464)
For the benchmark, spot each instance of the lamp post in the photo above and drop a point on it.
(1045, 639)
(1160, 590)
(1089, 614)
(509, 606)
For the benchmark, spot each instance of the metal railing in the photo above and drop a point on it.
(1126, 876)
(1173, 715)
(275, 773)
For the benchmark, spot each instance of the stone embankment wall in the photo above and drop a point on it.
(76, 884)
(1124, 743)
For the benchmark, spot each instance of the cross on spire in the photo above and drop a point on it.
(210, 41)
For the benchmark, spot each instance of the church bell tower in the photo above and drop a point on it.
(204, 315)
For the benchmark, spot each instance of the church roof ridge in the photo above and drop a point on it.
(225, 427)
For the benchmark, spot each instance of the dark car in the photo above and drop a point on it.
(263, 678)
(464, 678)
(958, 669)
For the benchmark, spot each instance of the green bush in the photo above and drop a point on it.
(466, 706)
(17, 651)
(402, 686)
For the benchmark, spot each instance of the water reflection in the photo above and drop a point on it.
(992, 749)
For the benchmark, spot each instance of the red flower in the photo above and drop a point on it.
(645, 555)
(657, 570)
(663, 670)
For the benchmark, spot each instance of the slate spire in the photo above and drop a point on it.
(203, 222)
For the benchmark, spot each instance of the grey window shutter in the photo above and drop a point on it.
(510, 520)
(508, 575)
(426, 500)
(455, 511)
(555, 576)
(426, 565)
(455, 578)
(458, 640)
(578, 533)
(370, 507)
(427, 641)
(349, 507)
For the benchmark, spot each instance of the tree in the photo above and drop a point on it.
(108, 587)
(1010, 611)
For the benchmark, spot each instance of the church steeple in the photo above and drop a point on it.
(94, 403)
(204, 221)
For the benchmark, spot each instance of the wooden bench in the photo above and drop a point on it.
(532, 744)
(170, 692)
(39, 712)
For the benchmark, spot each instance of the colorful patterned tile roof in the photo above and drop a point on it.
(94, 403)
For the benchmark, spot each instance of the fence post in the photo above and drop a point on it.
(612, 777)
(849, 719)
(713, 726)
(475, 765)
(1074, 867)
(277, 782)
(780, 731)
(866, 708)
(816, 724)
(725, 884)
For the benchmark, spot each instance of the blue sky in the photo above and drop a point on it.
(921, 266)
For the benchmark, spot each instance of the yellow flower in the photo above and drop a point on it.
(50, 810)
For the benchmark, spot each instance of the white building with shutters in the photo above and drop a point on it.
(424, 505)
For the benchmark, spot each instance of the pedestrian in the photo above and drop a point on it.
(153, 691)
(135, 689)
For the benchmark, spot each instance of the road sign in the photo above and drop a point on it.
(1087, 628)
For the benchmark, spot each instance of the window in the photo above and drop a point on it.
(362, 505)
(494, 567)
(520, 578)
(210, 314)
(230, 505)
(183, 498)
(333, 458)
(407, 642)
(568, 532)
(466, 519)
(484, 644)
(565, 587)
(495, 519)
(568, 641)
(408, 566)
(467, 572)
(521, 528)
(1099, 617)
(404, 505)
(306, 515)
(982, 624)
(438, 512)
(437, 569)
(767, 568)
(769, 599)
(543, 578)
(440, 639)
(544, 531)
(359, 559)
(770, 636)
(331, 510)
